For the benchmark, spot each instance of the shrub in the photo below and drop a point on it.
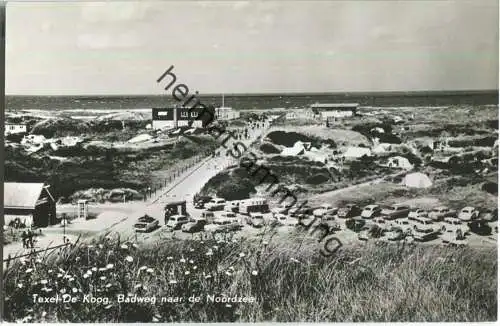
(317, 179)
(269, 149)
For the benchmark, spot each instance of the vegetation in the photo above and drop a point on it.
(98, 167)
(288, 278)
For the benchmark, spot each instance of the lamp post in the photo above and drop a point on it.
(149, 191)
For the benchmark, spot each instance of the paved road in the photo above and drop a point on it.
(184, 187)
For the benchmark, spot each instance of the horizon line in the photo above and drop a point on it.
(273, 93)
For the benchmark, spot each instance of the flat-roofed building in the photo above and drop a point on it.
(168, 118)
(335, 110)
(226, 113)
(14, 128)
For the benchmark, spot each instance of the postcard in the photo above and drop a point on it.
(250, 161)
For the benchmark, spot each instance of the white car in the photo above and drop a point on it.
(176, 221)
(325, 209)
(416, 213)
(371, 211)
(216, 204)
(286, 220)
(146, 224)
(468, 214)
(454, 225)
(404, 224)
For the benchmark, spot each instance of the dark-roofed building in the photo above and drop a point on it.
(335, 110)
(32, 203)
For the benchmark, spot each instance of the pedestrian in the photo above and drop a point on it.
(30, 239)
(24, 237)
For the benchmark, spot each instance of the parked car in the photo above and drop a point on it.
(348, 211)
(468, 214)
(295, 211)
(417, 213)
(256, 220)
(176, 221)
(146, 223)
(395, 211)
(381, 223)
(281, 209)
(194, 226)
(425, 229)
(208, 215)
(364, 234)
(355, 224)
(283, 219)
(403, 224)
(233, 206)
(216, 204)
(395, 234)
(325, 209)
(454, 225)
(200, 201)
(489, 215)
(439, 213)
(371, 211)
(480, 227)
(222, 226)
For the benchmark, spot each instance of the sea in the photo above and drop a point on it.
(255, 101)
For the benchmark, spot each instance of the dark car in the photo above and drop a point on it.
(480, 227)
(194, 226)
(355, 224)
(348, 211)
(199, 202)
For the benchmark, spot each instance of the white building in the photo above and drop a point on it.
(14, 128)
(169, 118)
(226, 113)
(335, 110)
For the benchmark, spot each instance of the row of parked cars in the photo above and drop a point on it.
(396, 221)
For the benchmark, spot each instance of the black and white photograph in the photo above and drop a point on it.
(250, 161)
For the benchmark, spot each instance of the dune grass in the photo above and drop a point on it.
(288, 279)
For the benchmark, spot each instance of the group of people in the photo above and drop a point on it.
(29, 239)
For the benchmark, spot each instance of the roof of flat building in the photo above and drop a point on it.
(335, 105)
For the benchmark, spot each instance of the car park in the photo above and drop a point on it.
(440, 212)
(395, 211)
(146, 223)
(176, 221)
(371, 211)
(194, 226)
(417, 213)
(348, 211)
(468, 214)
(216, 204)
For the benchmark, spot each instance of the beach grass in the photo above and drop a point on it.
(288, 279)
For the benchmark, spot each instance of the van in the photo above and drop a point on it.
(257, 205)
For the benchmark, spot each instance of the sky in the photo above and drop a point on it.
(93, 48)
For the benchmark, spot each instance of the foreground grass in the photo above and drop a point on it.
(289, 279)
